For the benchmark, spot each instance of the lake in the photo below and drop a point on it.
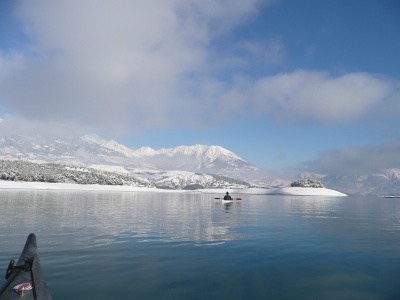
(143, 245)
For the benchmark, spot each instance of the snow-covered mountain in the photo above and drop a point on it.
(92, 149)
(197, 158)
(108, 155)
(180, 167)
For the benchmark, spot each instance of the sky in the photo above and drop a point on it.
(290, 86)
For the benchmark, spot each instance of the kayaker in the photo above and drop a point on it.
(227, 196)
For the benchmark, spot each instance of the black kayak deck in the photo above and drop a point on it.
(25, 279)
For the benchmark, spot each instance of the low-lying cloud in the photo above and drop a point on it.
(358, 160)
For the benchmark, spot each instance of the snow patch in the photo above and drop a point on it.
(70, 186)
(300, 191)
(110, 168)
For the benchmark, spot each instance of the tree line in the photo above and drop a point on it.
(34, 172)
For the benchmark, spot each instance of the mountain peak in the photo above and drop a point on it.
(143, 151)
(210, 152)
(93, 138)
(108, 144)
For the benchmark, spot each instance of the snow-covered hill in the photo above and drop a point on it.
(23, 171)
(193, 181)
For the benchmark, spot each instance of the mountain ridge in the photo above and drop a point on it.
(91, 150)
(210, 152)
(108, 155)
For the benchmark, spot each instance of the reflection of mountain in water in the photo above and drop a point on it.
(117, 217)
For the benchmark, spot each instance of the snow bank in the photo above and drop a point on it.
(4, 184)
(300, 191)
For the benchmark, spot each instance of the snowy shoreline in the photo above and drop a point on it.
(26, 185)
(284, 191)
(300, 191)
(288, 191)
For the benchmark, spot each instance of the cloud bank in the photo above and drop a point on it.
(112, 63)
(133, 65)
(358, 160)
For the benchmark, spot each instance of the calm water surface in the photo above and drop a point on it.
(104, 245)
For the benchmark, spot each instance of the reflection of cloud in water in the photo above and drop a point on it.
(97, 218)
(316, 207)
(372, 224)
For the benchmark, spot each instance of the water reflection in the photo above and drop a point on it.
(315, 206)
(177, 245)
(92, 219)
(227, 206)
(368, 212)
(106, 217)
(366, 224)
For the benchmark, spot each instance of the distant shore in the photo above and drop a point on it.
(289, 191)
(286, 191)
(4, 184)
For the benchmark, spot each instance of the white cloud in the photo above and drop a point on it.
(303, 97)
(11, 125)
(113, 63)
(124, 65)
(10, 63)
(319, 96)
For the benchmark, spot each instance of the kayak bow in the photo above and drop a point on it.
(26, 278)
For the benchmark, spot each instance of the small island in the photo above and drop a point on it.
(305, 187)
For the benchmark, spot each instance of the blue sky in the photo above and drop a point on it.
(287, 85)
